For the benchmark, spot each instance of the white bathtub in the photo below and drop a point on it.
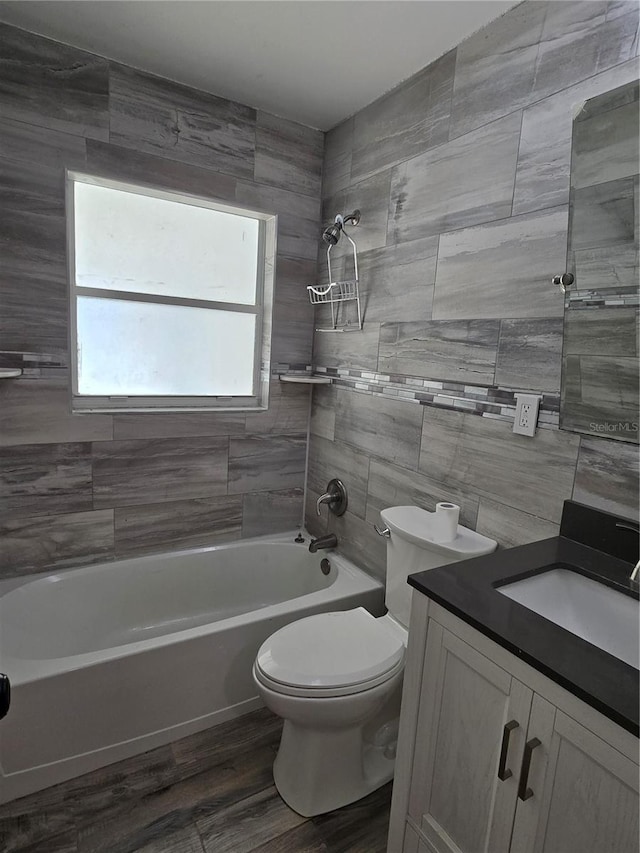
(114, 659)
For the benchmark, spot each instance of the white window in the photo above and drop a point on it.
(170, 299)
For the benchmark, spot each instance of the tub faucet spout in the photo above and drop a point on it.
(328, 541)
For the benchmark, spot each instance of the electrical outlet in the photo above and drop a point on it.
(526, 418)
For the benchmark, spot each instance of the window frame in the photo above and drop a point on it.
(262, 308)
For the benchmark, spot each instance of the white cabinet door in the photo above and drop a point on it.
(466, 705)
(586, 800)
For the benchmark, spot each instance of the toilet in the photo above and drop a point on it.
(336, 678)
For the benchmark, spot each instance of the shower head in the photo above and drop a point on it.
(331, 234)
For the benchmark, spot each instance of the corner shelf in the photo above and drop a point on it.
(10, 372)
(305, 380)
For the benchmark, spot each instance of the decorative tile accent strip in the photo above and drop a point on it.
(486, 401)
(610, 298)
(35, 365)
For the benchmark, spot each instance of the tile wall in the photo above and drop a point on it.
(462, 178)
(81, 488)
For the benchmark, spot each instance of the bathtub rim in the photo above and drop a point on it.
(350, 579)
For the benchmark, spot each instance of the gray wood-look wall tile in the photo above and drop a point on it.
(288, 154)
(604, 215)
(293, 316)
(530, 354)
(32, 164)
(405, 122)
(358, 541)
(177, 524)
(393, 486)
(39, 543)
(177, 424)
(601, 394)
(266, 463)
(544, 158)
(607, 266)
(485, 456)
(323, 412)
(298, 217)
(288, 410)
(50, 84)
(45, 479)
(502, 269)
(462, 183)
(458, 350)
(32, 244)
(336, 167)
(127, 164)
(158, 116)
(607, 476)
(33, 308)
(349, 350)
(601, 331)
(329, 459)
(272, 512)
(37, 411)
(606, 146)
(371, 197)
(145, 471)
(396, 282)
(41, 146)
(383, 428)
(495, 68)
(577, 41)
(511, 527)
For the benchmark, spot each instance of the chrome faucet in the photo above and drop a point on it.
(633, 527)
(330, 540)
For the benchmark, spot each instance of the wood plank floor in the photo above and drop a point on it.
(208, 793)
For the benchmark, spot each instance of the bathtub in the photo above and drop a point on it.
(117, 658)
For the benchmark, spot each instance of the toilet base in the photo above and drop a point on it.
(319, 771)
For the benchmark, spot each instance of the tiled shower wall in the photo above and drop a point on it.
(75, 489)
(462, 178)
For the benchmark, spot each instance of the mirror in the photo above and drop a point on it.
(599, 393)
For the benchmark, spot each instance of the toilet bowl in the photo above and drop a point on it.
(336, 678)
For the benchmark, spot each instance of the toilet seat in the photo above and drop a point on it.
(330, 654)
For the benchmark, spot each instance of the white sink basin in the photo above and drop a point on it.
(599, 614)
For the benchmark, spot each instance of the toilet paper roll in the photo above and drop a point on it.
(446, 522)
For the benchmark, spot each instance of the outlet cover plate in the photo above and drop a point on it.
(526, 419)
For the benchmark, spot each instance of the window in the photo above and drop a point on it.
(170, 299)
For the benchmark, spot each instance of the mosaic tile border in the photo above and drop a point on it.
(619, 297)
(488, 401)
(35, 365)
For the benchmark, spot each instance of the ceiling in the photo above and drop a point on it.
(313, 61)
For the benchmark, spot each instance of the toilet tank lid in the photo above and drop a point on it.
(417, 526)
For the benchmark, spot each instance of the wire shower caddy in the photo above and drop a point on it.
(337, 293)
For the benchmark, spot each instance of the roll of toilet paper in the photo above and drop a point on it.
(446, 522)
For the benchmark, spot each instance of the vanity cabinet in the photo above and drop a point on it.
(494, 757)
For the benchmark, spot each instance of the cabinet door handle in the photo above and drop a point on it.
(503, 772)
(524, 792)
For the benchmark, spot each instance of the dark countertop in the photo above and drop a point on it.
(468, 589)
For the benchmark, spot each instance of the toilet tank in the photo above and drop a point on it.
(411, 549)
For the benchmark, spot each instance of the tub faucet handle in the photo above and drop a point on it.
(335, 497)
